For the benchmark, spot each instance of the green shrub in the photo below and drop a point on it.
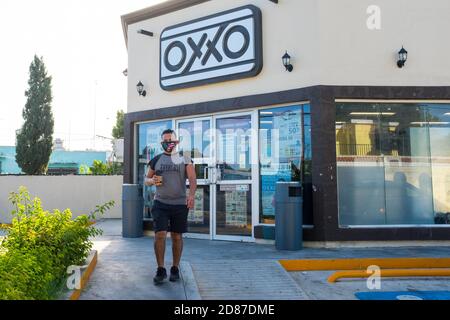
(26, 275)
(84, 170)
(99, 168)
(102, 169)
(41, 245)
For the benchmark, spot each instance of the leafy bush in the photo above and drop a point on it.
(41, 245)
(115, 168)
(26, 275)
(99, 168)
(85, 170)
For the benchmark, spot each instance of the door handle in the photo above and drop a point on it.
(206, 174)
(211, 179)
(218, 170)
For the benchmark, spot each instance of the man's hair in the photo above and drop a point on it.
(168, 131)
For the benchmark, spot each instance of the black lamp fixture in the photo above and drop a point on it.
(402, 57)
(287, 62)
(140, 89)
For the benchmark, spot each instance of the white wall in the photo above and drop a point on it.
(328, 40)
(79, 193)
(288, 26)
(351, 54)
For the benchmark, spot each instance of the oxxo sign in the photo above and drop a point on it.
(216, 48)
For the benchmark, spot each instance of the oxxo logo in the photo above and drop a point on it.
(216, 48)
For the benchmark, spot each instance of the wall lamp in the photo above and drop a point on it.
(140, 89)
(402, 57)
(287, 62)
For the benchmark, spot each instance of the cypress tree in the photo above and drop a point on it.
(118, 132)
(35, 139)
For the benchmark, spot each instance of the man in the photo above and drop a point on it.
(168, 172)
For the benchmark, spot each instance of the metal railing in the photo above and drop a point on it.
(354, 149)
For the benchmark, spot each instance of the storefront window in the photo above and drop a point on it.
(195, 141)
(392, 162)
(285, 155)
(307, 167)
(439, 130)
(149, 145)
(233, 147)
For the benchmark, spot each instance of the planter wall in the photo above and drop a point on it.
(79, 193)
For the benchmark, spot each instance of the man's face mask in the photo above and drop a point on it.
(168, 146)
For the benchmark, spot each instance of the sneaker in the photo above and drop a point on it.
(174, 274)
(161, 274)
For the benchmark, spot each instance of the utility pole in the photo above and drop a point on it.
(70, 130)
(95, 110)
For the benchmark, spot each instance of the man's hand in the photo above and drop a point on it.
(149, 182)
(190, 202)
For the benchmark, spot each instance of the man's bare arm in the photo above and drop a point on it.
(149, 179)
(192, 177)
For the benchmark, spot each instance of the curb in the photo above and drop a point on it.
(390, 273)
(363, 263)
(189, 283)
(305, 295)
(91, 263)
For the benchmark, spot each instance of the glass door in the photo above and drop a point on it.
(235, 177)
(196, 141)
(223, 149)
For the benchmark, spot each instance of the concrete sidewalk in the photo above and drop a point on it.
(232, 270)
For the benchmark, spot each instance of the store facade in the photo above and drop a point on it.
(368, 141)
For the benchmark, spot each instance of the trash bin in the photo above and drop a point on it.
(289, 216)
(132, 211)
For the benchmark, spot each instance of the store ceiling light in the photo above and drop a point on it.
(402, 57)
(140, 89)
(362, 121)
(372, 113)
(432, 123)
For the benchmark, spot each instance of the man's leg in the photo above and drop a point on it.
(161, 223)
(178, 226)
(160, 247)
(177, 247)
(177, 250)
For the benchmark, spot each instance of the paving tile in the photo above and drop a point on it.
(234, 271)
(254, 279)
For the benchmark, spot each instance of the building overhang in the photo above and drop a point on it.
(155, 11)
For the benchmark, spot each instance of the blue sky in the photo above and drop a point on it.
(84, 51)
